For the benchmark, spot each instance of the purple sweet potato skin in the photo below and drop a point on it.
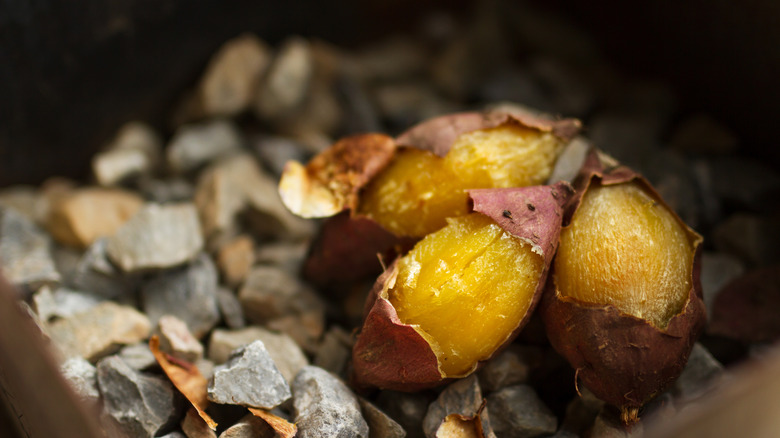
(348, 249)
(438, 134)
(622, 359)
(389, 354)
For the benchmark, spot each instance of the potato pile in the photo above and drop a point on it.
(457, 209)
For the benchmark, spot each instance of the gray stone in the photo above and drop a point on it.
(138, 356)
(194, 145)
(717, 270)
(168, 190)
(285, 255)
(194, 426)
(99, 331)
(405, 408)
(272, 297)
(82, 377)
(701, 134)
(284, 87)
(518, 411)
(230, 308)
(754, 239)
(141, 405)
(176, 339)
(274, 152)
(249, 378)
(206, 368)
(463, 397)
(66, 260)
(233, 75)
(95, 274)
(581, 411)
(510, 367)
(189, 293)
(62, 303)
(324, 406)
(570, 161)
(25, 252)
(26, 200)
(248, 427)
(238, 185)
(158, 236)
(135, 150)
(700, 375)
(746, 183)
(285, 353)
(380, 425)
(334, 352)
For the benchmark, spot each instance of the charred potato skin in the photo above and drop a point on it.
(622, 359)
(389, 354)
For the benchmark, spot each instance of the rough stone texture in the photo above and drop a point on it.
(25, 252)
(754, 239)
(717, 270)
(195, 145)
(238, 185)
(380, 425)
(324, 406)
(158, 236)
(518, 411)
(62, 303)
(249, 427)
(82, 377)
(230, 308)
(334, 351)
(82, 216)
(285, 353)
(249, 378)
(138, 356)
(99, 331)
(510, 367)
(288, 79)
(272, 297)
(284, 255)
(141, 405)
(206, 368)
(405, 408)
(231, 79)
(195, 427)
(135, 150)
(700, 375)
(463, 397)
(235, 258)
(189, 293)
(94, 273)
(176, 339)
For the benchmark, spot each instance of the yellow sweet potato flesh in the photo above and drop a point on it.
(624, 249)
(466, 288)
(415, 194)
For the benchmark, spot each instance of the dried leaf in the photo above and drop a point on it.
(282, 427)
(186, 378)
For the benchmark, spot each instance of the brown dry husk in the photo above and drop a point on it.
(622, 359)
(389, 354)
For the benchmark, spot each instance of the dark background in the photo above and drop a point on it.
(72, 72)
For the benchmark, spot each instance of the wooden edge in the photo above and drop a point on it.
(36, 398)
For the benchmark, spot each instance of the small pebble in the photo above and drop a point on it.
(518, 411)
(158, 236)
(380, 425)
(194, 145)
(463, 397)
(286, 354)
(324, 406)
(284, 87)
(97, 275)
(195, 427)
(82, 377)
(230, 308)
(510, 367)
(135, 150)
(249, 378)
(607, 425)
(62, 303)
(700, 375)
(99, 331)
(138, 356)
(140, 405)
(274, 152)
(249, 427)
(176, 339)
(335, 351)
(189, 293)
(235, 258)
(405, 408)
(25, 252)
